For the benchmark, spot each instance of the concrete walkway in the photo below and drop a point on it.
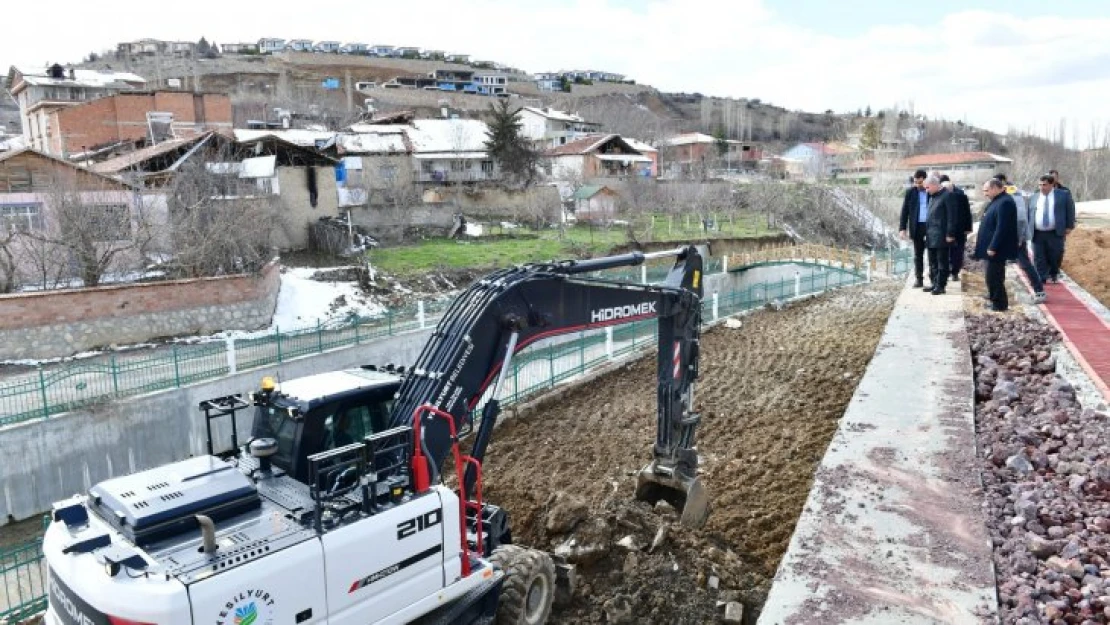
(893, 530)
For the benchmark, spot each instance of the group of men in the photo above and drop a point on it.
(936, 215)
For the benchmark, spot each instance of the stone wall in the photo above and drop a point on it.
(50, 324)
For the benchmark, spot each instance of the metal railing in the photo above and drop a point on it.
(52, 391)
(535, 370)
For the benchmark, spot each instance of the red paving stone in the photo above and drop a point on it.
(1084, 332)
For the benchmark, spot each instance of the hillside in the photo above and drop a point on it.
(294, 80)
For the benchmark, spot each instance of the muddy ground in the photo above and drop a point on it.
(1087, 261)
(771, 394)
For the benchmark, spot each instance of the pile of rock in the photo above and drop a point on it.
(1046, 469)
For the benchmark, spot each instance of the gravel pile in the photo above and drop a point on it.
(1046, 469)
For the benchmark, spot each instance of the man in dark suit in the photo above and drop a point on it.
(941, 224)
(963, 210)
(1053, 220)
(1056, 180)
(911, 224)
(997, 241)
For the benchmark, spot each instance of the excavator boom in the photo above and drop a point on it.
(469, 354)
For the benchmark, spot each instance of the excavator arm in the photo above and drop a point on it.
(470, 352)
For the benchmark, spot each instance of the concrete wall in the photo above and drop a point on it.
(55, 458)
(48, 324)
(296, 210)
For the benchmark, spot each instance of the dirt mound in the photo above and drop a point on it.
(771, 394)
(1087, 261)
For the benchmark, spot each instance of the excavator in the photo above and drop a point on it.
(352, 500)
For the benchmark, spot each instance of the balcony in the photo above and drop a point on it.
(456, 176)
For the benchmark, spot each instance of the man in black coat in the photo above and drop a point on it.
(963, 210)
(941, 225)
(997, 241)
(911, 224)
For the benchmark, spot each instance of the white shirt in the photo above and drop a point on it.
(1045, 203)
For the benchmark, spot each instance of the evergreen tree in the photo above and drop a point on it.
(202, 47)
(721, 141)
(512, 151)
(870, 137)
(867, 111)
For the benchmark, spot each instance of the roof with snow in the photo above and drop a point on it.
(81, 78)
(585, 145)
(448, 135)
(296, 136)
(954, 158)
(561, 116)
(638, 145)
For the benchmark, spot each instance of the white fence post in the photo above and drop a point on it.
(724, 264)
(420, 313)
(231, 364)
(609, 342)
(797, 284)
(643, 274)
(716, 302)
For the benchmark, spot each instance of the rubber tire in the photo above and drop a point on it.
(524, 569)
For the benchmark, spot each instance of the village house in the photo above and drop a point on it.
(406, 52)
(299, 45)
(299, 180)
(549, 128)
(385, 170)
(457, 58)
(818, 160)
(686, 152)
(648, 151)
(141, 47)
(433, 55)
(270, 45)
(239, 48)
(355, 48)
(40, 93)
(594, 203)
(134, 117)
(43, 195)
(966, 169)
(327, 47)
(491, 83)
(596, 156)
(379, 49)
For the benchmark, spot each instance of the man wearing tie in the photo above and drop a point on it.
(911, 223)
(1053, 221)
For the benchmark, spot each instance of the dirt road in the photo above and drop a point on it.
(770, 394)
(1087, 261)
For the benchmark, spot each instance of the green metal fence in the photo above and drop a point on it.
(536, 369)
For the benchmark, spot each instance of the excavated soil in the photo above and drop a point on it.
(771, 393)
(1087, 261)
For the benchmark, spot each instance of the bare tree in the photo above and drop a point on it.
(219, 224)
(95, 228)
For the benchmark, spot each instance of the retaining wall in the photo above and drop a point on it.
(51, 459)
(50, 324)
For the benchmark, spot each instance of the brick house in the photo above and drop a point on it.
(967, 169)
(682, 153)
(34, 188)
(596, 156)
(39, 93)
(127, 118)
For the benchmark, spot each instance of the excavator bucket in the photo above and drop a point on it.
(686, 494)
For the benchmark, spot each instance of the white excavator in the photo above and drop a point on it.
(342, 507)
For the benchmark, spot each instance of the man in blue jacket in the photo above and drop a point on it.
(997, 241)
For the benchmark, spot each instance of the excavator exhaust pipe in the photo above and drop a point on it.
(686, 494)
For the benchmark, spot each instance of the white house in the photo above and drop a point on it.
(491, 83)
(354, 48)
(550, 128)
(299, 45)
(326, 46)
(270, 45)
(406, 52)
(238, 48)
(381, 50)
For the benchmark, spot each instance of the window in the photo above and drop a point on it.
(21, 217)
(458, 166)
(388, 173)
(109, 222)
(19, 178)
(487, 167)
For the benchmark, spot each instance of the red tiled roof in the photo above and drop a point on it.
(956, 158)
(578, 146)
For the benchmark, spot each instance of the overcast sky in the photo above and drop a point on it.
(1017, 63)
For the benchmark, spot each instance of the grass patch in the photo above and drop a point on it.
(525, 245)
